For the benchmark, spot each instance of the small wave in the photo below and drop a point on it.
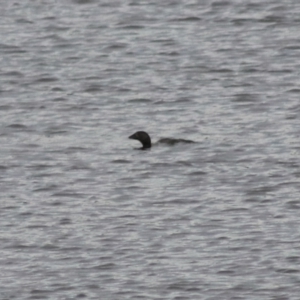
(16, 126)
(186, 19)
(140, 100)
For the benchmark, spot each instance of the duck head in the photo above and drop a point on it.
(143, 137)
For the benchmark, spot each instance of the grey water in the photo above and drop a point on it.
(83, 215)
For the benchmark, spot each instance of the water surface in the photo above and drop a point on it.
(85, 216)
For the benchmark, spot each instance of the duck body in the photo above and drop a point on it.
(171, 141)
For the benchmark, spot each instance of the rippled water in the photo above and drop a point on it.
(83, 215)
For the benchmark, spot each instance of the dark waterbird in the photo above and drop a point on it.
(145, 139)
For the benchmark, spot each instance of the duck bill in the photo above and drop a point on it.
(133, 137)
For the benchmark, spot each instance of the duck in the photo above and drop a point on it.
(144, 138)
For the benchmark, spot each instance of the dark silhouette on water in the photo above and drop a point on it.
(145, 139)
